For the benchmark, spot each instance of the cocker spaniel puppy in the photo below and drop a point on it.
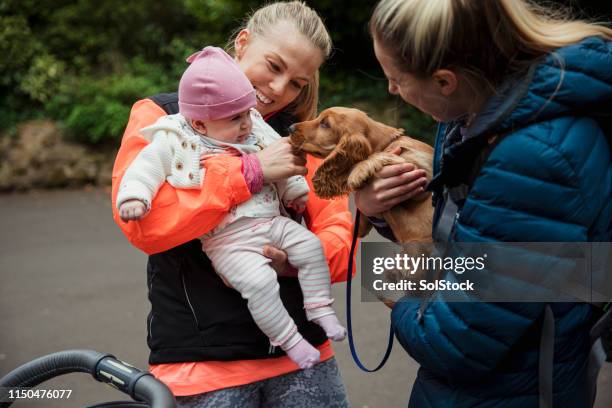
(355, 147)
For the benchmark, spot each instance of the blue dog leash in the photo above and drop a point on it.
(349, 326)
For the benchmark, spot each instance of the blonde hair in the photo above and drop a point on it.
(487, 39)
(310, 25)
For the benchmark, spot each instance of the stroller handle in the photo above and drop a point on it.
(139, 385)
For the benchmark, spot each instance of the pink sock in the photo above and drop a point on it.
(304, 354)
(332, 327)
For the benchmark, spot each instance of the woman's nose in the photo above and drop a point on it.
(278, 85)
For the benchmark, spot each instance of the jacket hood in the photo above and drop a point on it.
(573, 80)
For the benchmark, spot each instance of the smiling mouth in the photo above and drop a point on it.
(262, 98)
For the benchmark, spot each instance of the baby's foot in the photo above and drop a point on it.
(304, 354)
(332, 327)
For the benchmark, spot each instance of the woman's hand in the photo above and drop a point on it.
(279, 162)
(279, 261)
(392, 185)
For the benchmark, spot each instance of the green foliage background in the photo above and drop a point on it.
(84, 62)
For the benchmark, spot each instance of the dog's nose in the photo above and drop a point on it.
(292, 128)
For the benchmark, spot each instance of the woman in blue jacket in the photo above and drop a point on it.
(503, 67)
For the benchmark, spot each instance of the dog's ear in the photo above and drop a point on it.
(381, 135)
(330, 179)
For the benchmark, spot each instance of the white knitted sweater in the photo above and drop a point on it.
(173, 155)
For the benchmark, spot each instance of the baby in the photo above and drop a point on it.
(216, 102)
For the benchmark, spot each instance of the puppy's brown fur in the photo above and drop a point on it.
(355, 147)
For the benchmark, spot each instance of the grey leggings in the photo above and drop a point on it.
(320, 386)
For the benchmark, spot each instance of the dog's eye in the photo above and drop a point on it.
(324, 124)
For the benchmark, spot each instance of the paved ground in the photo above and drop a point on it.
(68, 279)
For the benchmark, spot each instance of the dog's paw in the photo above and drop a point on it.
(359, 175)
(385, 159)
(362, 171)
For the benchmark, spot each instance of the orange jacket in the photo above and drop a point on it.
(180, 215)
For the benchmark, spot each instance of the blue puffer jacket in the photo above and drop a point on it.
(549, 180)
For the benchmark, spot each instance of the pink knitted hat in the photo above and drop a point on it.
(214, 87)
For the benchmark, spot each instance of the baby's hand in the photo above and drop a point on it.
(132, 210)
(298, 204)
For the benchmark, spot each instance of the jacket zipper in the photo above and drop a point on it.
(189, 301)
(150, 326)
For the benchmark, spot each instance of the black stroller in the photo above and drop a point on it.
(144, 389)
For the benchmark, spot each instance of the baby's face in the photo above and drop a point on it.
(234, 129)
